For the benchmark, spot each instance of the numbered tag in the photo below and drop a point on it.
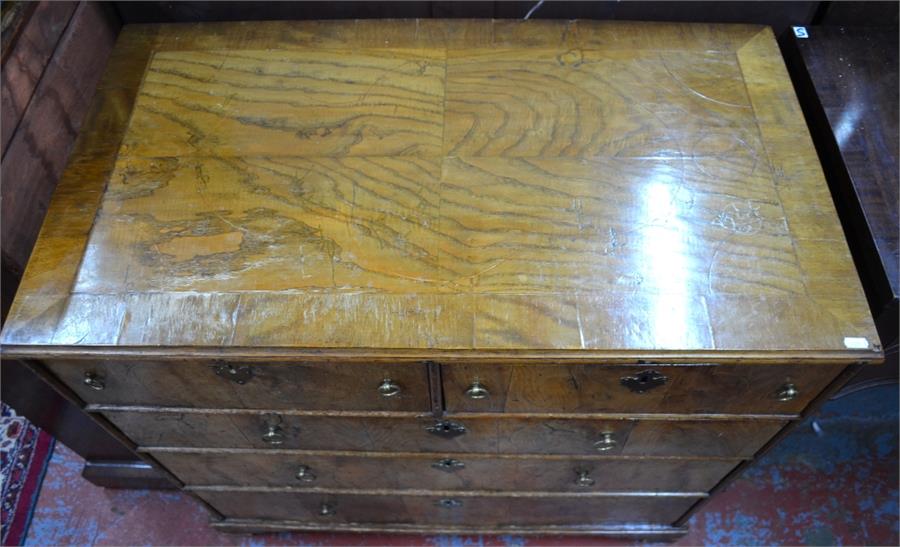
(800, 32)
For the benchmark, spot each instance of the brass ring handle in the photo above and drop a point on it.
(583, 479)
(327, 510)
(274, 435)
(606, 442)
(94, 381)
(388, 388)
(305, 474)
(477, 391)
(787, 392)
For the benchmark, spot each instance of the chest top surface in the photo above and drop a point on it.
(582, 187)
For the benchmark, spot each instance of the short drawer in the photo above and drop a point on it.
(223, 384)
(449, 509)
(500, 435)
(726, 389)
(444, 472)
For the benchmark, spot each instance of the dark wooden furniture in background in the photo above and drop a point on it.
(847, 81)
(53, 56)
(574, 247)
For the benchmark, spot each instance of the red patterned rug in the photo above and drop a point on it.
(25, 451)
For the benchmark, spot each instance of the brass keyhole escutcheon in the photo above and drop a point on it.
(448, 464)
(327, 510)
(238, 374)
(643, 381)
(448, 503)
(94, 381)
(446, 429)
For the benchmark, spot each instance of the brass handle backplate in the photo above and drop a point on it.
(583, 479)
(273, 433)
(237, 374)
(448, 464)
(94, 381)
(643, 381)
(388, 388)
(606, 442)
(305, 474)
(477, 391)
(787, 392)
(446, 429)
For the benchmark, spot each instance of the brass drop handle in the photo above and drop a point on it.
(273, 434)
(787, 392)
(94, 381)
(388, 388)
(477, 391)
(327, 510)
(305, 474)
(606, 442)
(583, 479)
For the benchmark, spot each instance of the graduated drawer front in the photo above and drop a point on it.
(444, 472)
(494, 510)
(501, 435)
(727, 389)
(220, 384)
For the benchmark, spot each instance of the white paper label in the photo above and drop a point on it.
(853, 342)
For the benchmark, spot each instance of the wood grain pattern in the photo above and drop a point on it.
(501, 434)
(478, 472)
(596, 187)
(426, 509)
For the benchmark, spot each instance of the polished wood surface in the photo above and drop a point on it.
(211, 384)
(462, 185)
(444, 471)
(472, 511)
(728, 438)
(644, 389)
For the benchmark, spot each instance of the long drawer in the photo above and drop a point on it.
(225, 384)
(455, 509)
(726, 389)
(500, 434)
(444, 471)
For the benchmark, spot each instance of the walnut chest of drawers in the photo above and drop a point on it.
(425, 276)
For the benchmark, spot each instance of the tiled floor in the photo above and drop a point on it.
(834, 482)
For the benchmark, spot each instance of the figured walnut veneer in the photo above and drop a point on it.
(579, 186)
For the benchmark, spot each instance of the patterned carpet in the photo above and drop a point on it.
(24, 453)
(833, 481)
